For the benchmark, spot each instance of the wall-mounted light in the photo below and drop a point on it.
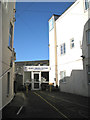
(83, 56)
(14, 10)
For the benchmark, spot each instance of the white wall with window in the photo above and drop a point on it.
(70, 36)
(7, 52)
(87, 4)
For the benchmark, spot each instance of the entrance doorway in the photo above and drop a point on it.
(36, 82)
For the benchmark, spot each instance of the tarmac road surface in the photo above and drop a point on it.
(44, 104)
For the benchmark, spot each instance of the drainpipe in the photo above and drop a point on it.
(56, 73)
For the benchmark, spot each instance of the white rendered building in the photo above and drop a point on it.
(7, 54)
(34, 74)
(72, 45)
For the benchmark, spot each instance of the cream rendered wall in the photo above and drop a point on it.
(52, 56)
(7, 17)
(71, 25)
(0, 56)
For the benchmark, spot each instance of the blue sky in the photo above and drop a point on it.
(31, 37)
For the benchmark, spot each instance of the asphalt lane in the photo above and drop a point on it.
(71, 106)
(44, 104)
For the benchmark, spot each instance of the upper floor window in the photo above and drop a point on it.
(63, 49)
(87, 4)
(72, 43)
(10, 35)
(5, 2)
(88, 36)
(51, 24)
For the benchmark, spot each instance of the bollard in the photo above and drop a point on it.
(50, 88)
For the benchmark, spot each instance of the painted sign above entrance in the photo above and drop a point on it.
(36, 68)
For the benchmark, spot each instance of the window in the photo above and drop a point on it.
(8, 82)
(62, 76)
(5, 2)
(88, 36)
(87, 4)
(44, 65)
(88, 73)
(72, 43)
(10, 35)
(63, 49)
(51, 24)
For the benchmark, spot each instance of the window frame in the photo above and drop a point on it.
(88, 42)
(10, 42)
(88, 73)
(63, 49)
(5, 2)
(8, 83)
(72, 43)
(63, 79)
(87, 4)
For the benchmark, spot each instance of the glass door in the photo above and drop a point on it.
(36, 81)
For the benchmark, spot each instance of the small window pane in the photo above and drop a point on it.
(88, 36)
(8, 82)
(63, 49)
(72, 43)
(88, 73)
(87, 4)
(10, 35)
(62, 76)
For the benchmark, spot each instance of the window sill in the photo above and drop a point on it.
(64, 82)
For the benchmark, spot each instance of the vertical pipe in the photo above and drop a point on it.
(56, 76)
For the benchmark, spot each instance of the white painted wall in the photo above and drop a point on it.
(52, 56)
(71, 25)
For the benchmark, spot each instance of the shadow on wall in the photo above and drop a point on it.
(19, 81)
(75, 84)
(79, 80)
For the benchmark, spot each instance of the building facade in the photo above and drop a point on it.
(7, 53)
(34, 73)
(72, 48)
